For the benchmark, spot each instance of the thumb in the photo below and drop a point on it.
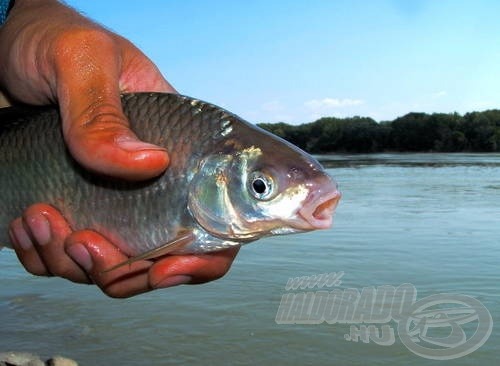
(95, 129)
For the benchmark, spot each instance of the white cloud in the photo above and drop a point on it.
(289, 111)
(330, 106)
(439, 94)
(331, 103)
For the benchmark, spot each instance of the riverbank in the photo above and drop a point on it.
(28, 359)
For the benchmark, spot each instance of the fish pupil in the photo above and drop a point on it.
(259, 186)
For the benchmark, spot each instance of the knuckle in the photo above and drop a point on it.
(106, 118)
(76, 40)
(100, 122)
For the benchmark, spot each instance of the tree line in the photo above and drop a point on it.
(413, 132)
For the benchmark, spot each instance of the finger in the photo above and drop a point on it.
(139, 73)
(88, 65)
(25, 250)
(192, 269)
(95, 254)
(48, 230)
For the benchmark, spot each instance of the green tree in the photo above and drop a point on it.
(475, 131)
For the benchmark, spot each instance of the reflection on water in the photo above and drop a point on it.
(429, 220)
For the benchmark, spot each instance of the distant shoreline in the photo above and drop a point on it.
(475, 132)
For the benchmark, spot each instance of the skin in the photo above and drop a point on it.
(51, 54)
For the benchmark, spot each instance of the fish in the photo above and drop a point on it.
(229, 182)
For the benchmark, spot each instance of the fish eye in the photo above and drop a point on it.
(261, 186)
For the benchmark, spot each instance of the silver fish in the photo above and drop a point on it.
(228, 183)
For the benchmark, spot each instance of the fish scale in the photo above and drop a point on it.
(209, 148)
(44, 171)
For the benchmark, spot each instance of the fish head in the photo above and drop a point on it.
(268, 188)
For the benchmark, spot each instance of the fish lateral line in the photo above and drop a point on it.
(184, 238)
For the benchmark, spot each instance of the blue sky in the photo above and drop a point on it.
(297, 60)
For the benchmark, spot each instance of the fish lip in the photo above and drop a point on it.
(318, 209)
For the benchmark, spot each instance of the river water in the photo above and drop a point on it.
(431, 221)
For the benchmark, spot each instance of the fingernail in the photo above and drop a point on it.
(174, 281)
(80, 255)
(40, 228)
(20, 237)
(137, 145)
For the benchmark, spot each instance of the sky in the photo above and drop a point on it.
(295, 61)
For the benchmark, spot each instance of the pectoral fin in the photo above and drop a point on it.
(184, 238)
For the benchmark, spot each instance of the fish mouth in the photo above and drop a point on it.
(318, 208)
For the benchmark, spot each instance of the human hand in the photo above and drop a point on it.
(51, 54)
(48, 54)
(83, 256)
